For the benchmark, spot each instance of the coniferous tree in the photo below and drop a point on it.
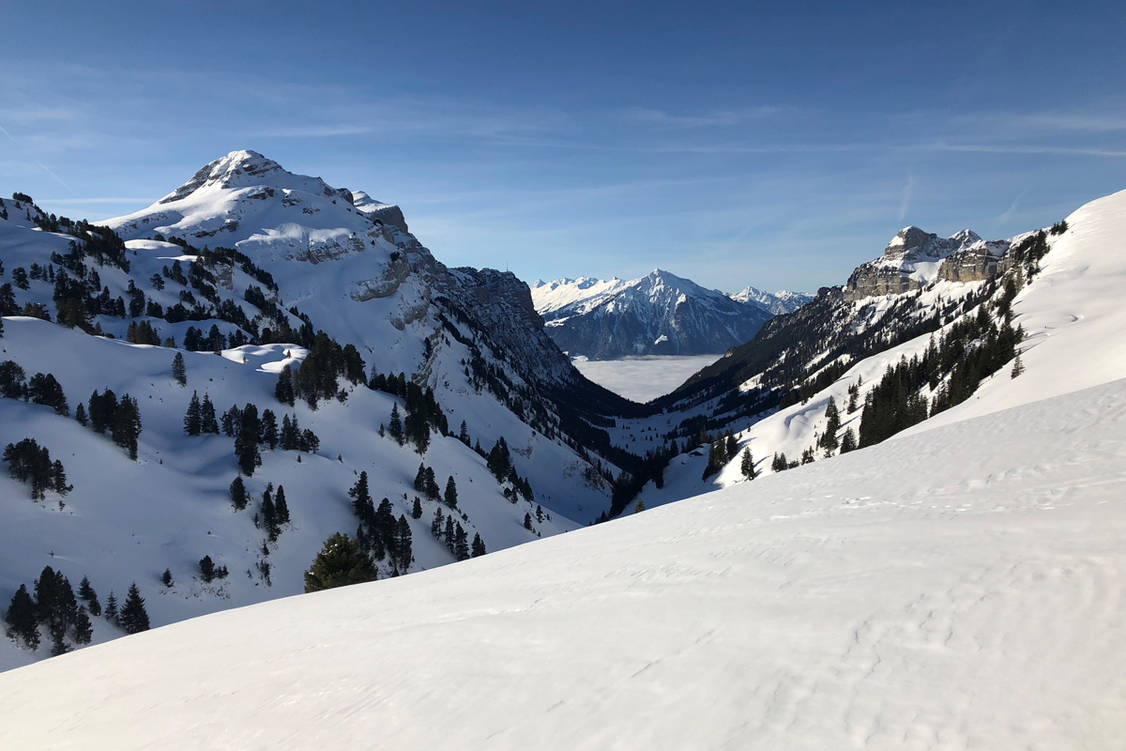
(102, 408)
(230, 421)
(436, 524)
(528, 522)
(134, 618)
(207, 421)
(21, 618)
(828, 439)
(848, 440)
(270, 428)
(246, 441)
(80, 414)
(269, 514)
(450, 496)
(499, 460)
(284, 391)
(206, 568)
(1018, 367)
(44, 389)
(83, 629)
(166, 577)
(478, 546)
(420, 479)
(461, 544)
(430, 485)
(361, 497)
(403, 552)
(281, 508)
(395, 427)
(179, 369)
(111, 608)
(126, 428)
(341, 562)
(87, 594)
(416, 509)
(747, 464)
(238, 492)
(193, 423)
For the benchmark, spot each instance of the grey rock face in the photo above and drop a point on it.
(914, 258)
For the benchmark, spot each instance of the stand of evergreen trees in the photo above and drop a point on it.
(499, 462)
(970, 350)
(31, 463)
(55, 608)
(42, 388)
(450, 533)
(341, 561)
(121, 417)
(250, 430)
(719, 454)
(379, 532)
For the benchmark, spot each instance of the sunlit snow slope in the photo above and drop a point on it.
(962, 588)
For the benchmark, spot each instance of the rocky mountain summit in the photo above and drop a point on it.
(914, 258)
(657, 314)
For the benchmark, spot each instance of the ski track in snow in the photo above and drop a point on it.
(956, 589)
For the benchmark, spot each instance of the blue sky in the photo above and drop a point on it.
(775, 144)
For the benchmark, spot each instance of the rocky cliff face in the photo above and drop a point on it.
(915, 258)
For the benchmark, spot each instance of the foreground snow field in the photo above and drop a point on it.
(959, 588)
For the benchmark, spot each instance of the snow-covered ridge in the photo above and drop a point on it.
(659, 313)
(865, 602)
(778, 303)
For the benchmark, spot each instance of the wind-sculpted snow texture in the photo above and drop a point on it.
(958, 589)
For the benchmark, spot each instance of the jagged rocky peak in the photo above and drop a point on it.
(245, 168)
(913, 242)
(915, 258)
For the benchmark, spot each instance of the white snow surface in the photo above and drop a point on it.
(642, 379)
(863, 602)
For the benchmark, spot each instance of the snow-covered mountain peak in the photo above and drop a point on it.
(243, 168)
(659, 313)
(782, 301)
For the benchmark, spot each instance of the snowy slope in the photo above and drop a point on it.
(1072, 320)
(657, 314)
(350, 266)
(863, 602)
(127, 521)
(1073, 315)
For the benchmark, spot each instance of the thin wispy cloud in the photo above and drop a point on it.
(38, 163)
(905, 197)
(1020, 149)
(706, 119)
(1008, 213)
(318, 131)
(36, 114)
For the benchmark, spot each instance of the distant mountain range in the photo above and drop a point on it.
(657, 314)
